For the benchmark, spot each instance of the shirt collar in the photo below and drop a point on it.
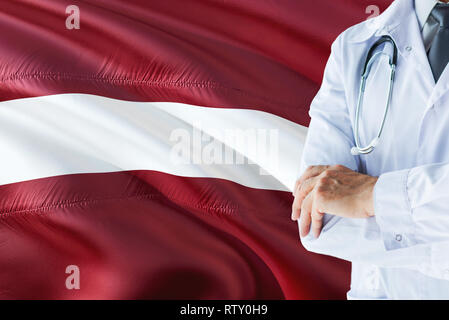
(423, 9)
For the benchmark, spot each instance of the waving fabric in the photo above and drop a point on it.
(92, 124)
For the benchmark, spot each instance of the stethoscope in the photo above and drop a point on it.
(370, 58)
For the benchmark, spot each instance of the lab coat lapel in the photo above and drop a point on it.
(440, 89)
(399, 21)
(408, 38)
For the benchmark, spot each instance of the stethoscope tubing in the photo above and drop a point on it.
(358, 149)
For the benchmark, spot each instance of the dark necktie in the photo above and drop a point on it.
(439, 50)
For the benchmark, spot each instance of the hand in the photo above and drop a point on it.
(335, 190)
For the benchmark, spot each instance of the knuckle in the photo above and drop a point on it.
(317, 216)
(305, 186)
(320, 194)
(332, 173)
(328, 173)
(295, 203)
(304, 206)
(295, 192)
(322, 181)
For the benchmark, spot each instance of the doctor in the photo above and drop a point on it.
(386, 211)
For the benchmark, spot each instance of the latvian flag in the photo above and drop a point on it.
(148, 147)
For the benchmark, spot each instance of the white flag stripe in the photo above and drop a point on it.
(79, 133)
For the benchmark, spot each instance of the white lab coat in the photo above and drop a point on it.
(402, 252)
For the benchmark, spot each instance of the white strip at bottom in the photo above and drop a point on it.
(79, 133)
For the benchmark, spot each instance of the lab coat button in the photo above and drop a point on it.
(408, 48)
(398, 237)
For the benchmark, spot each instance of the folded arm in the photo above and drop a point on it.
(410, 226)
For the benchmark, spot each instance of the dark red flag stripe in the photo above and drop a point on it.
(146, 234)
(239, 53)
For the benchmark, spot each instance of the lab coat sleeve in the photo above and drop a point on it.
(393, 238)
(412, 210)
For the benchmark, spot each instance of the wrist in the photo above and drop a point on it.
(369, 200)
